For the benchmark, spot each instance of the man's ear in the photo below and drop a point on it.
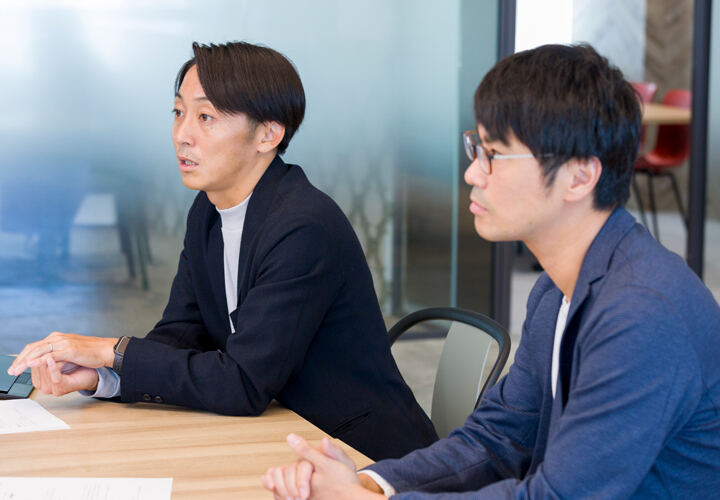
(272, 133)
(584, 176)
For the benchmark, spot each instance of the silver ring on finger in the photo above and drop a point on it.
(51, 347)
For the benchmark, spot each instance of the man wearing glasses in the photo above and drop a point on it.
(615, 387)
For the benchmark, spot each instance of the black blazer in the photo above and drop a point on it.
(309, 331)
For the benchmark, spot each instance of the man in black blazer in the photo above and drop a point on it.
(273, 298)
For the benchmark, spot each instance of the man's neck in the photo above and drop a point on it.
(235, 195)
(561, 249)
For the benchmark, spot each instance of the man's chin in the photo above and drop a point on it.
(191, 183)
(491, 234)
(484, 231)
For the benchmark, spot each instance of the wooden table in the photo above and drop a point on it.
(208, 456)
(661, 114)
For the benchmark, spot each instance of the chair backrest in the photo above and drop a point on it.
(463, 375)
(646, 90)
(673, 141)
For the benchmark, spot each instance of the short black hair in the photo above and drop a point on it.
(239, 77)
(569, 102)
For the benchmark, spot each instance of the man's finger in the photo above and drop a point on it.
(35, 377)
(302, 478)
(42, 359)
(18, 366)
(54, 382)
(336, 452)
(53, 369)
(32, 357)
(266, 480)
(289, 477)
(306, 450)
(40, 380)
(279, 480)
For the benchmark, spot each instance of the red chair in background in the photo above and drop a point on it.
(647, 91)
(672, 148)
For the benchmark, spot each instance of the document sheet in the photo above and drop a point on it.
(81, 488)
(25, 415)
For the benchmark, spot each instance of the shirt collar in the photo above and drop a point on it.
(234, 217)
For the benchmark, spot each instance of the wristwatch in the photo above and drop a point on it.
(119, 350)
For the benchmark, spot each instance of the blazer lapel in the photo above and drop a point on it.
(216, 266)
(259, 205)
(594, 267)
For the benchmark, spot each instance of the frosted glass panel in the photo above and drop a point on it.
(92, 210)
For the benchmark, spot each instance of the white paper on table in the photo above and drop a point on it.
(26, 415)
(84, 488)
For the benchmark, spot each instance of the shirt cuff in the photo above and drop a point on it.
(108, 384)
(387, 488)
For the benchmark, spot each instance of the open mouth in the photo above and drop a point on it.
(186, 164)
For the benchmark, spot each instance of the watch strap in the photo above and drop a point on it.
(119, 350)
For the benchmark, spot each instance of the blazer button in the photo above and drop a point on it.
(146, 397)
(158, 399)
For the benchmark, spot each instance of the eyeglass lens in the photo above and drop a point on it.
(470, 150)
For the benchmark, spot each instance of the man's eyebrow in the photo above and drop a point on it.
(202, 98)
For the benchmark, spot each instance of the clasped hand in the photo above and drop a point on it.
(64, 362)
(325, 472)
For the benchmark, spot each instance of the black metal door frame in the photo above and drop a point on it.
(502, 253)
(697, 190)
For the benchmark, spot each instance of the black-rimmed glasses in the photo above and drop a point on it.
(474, 149)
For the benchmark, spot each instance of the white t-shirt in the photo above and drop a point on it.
(559, 329)
(233, 220)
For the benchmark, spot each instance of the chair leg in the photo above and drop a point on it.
(651, 193)
(142, 261)
(126, 245)
(142, 232)
(676, 190)
(636, 192)
(127, 249)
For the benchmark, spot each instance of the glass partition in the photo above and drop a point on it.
(92, 210)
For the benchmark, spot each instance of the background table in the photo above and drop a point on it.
(661, 114)
(208, 456)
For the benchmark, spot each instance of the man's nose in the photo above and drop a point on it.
(183, 133)
(474, 176)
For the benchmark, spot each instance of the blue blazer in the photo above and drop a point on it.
(637, 409)
(309, 331)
